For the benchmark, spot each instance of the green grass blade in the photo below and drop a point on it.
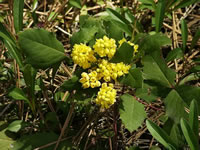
(159, 134)
(185, 3)
(184, 32)
(195, 39)
(193, 117)
(190, 137)
(159, 14)
(18, 6)
(13, 51)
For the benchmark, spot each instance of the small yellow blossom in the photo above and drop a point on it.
(105, 47)
(83, 55)
(106, 96)
(90, 80)
(109, 71)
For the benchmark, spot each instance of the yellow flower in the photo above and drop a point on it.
(109, 71)
(106, 96)
(83, 55)
(105, 47)
(90, 80)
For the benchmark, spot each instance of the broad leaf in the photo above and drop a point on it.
(15, 126)
(175, 106)
(193, 118)
(18, 94)
(120, 21)
(41, 48)
(71, 84)
(151, 43)
(133, 78)
(159, 134)
(156, 69)
(177, 136)
(188, 93)
(123, 54)
(75, 3)
(174, 54)
(18, 6)
(190, 137)
(6, 137)
(84, 35)
(29, 76)
(132, 112)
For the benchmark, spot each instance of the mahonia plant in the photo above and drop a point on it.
(101, 73)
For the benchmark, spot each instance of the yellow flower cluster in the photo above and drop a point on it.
(83, 55)
(90, 80)
(106, 96)
(105, 47)
(111, 70)
(101, 71)
(135, 46)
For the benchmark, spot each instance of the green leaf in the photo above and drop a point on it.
(6, 35)
(10, 44)
(174, 54)
(75, 3)
(18, 94)
(133, 78)
(14, 52)
(15, 126)
(177, 136)
(71, 84)
(190, 77)
(156, 69)
(41, 48)
(84, 35)
(113, 30)
(195, 39)
(30, 142)
(188, 93)
(123, 54)
(132, 112)
(151, 43)
(193, 118)
(120, 21)
(175, 106)
(145, 94)
(18, 6)
(190, 137)
(35, 4)
(6, 137)
(185, 3)
(29, 74)
(159, 134)
(160, 14)
(184, 33)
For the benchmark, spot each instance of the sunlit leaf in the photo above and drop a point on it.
(132, 112)
(41, 48)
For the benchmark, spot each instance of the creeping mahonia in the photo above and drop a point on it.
(105, 47)
(83, 55)
(106, 96)
(101, 70)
